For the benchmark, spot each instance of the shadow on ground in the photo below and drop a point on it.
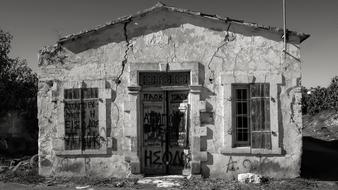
(320, 159)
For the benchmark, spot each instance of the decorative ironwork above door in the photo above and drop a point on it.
(157, 79)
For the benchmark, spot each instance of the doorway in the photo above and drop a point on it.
(163, 132)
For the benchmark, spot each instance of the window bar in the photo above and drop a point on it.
(249, 117)
(81, 138)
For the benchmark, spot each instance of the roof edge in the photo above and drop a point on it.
(302, 36)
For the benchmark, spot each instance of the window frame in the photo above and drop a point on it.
(227, 80)
(235, 141)
(104, 94)
(82, 98)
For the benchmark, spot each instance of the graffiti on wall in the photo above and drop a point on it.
(247, 164)
(81, 119)
(158, 157)
(164, 130)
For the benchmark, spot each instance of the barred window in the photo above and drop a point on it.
(251, 115)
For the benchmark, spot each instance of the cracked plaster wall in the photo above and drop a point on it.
(167, 38)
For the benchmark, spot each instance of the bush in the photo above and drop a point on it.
(318, 99)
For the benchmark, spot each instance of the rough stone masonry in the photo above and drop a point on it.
(169, 90)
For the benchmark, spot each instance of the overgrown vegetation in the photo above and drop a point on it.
(18, 84)
(318, 99)
(18, 89)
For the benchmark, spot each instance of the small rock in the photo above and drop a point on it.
(82, 187)
(144, 181)
(119, 184)
(249, 178)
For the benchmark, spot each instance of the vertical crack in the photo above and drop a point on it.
(226, 40)
(125, 56)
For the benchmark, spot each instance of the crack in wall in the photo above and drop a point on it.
(226, 40)
(125, 56)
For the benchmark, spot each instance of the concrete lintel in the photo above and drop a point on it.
(195, 89)
(134, 89)
(252, 77)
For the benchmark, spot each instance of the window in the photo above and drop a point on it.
(251, 115)
(81, 119)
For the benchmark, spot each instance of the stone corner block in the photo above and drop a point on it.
(200, 131)
(135, 167)
(195, 167)
(204, 156)
(126, 106)
(203, 106)
(130, 132)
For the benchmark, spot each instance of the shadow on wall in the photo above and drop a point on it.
(319, 159)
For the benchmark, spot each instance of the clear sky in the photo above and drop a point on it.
(38, 23)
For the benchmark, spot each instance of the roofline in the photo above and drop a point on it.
(302, 36)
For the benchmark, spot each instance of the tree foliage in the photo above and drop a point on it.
(18, 84)
(318, 99)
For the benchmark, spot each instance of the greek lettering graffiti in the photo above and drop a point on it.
(164, 131)
(232, 165)
(81, 119)
(246, 164)
(154, 123)
(175, 158)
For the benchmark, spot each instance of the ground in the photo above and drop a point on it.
(180, 183)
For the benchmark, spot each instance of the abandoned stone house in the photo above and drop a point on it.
(171, 91)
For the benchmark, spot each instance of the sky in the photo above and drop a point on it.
(38, 23)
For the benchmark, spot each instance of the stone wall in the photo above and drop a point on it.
(227, 52)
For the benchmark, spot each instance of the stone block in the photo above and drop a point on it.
(195, 167)
(202, 106)
(186, 172)
(249, 178)
(200, 131)
(203, 156)
(135, 167)
(130, 132)
(126, 106)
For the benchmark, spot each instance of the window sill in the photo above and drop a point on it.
(236, 150)
(80, 152)
(250, 151)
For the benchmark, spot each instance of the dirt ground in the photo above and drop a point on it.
(159, 183)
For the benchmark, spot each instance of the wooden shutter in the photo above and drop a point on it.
(90, 119)
(260, 115)
(72, 115)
